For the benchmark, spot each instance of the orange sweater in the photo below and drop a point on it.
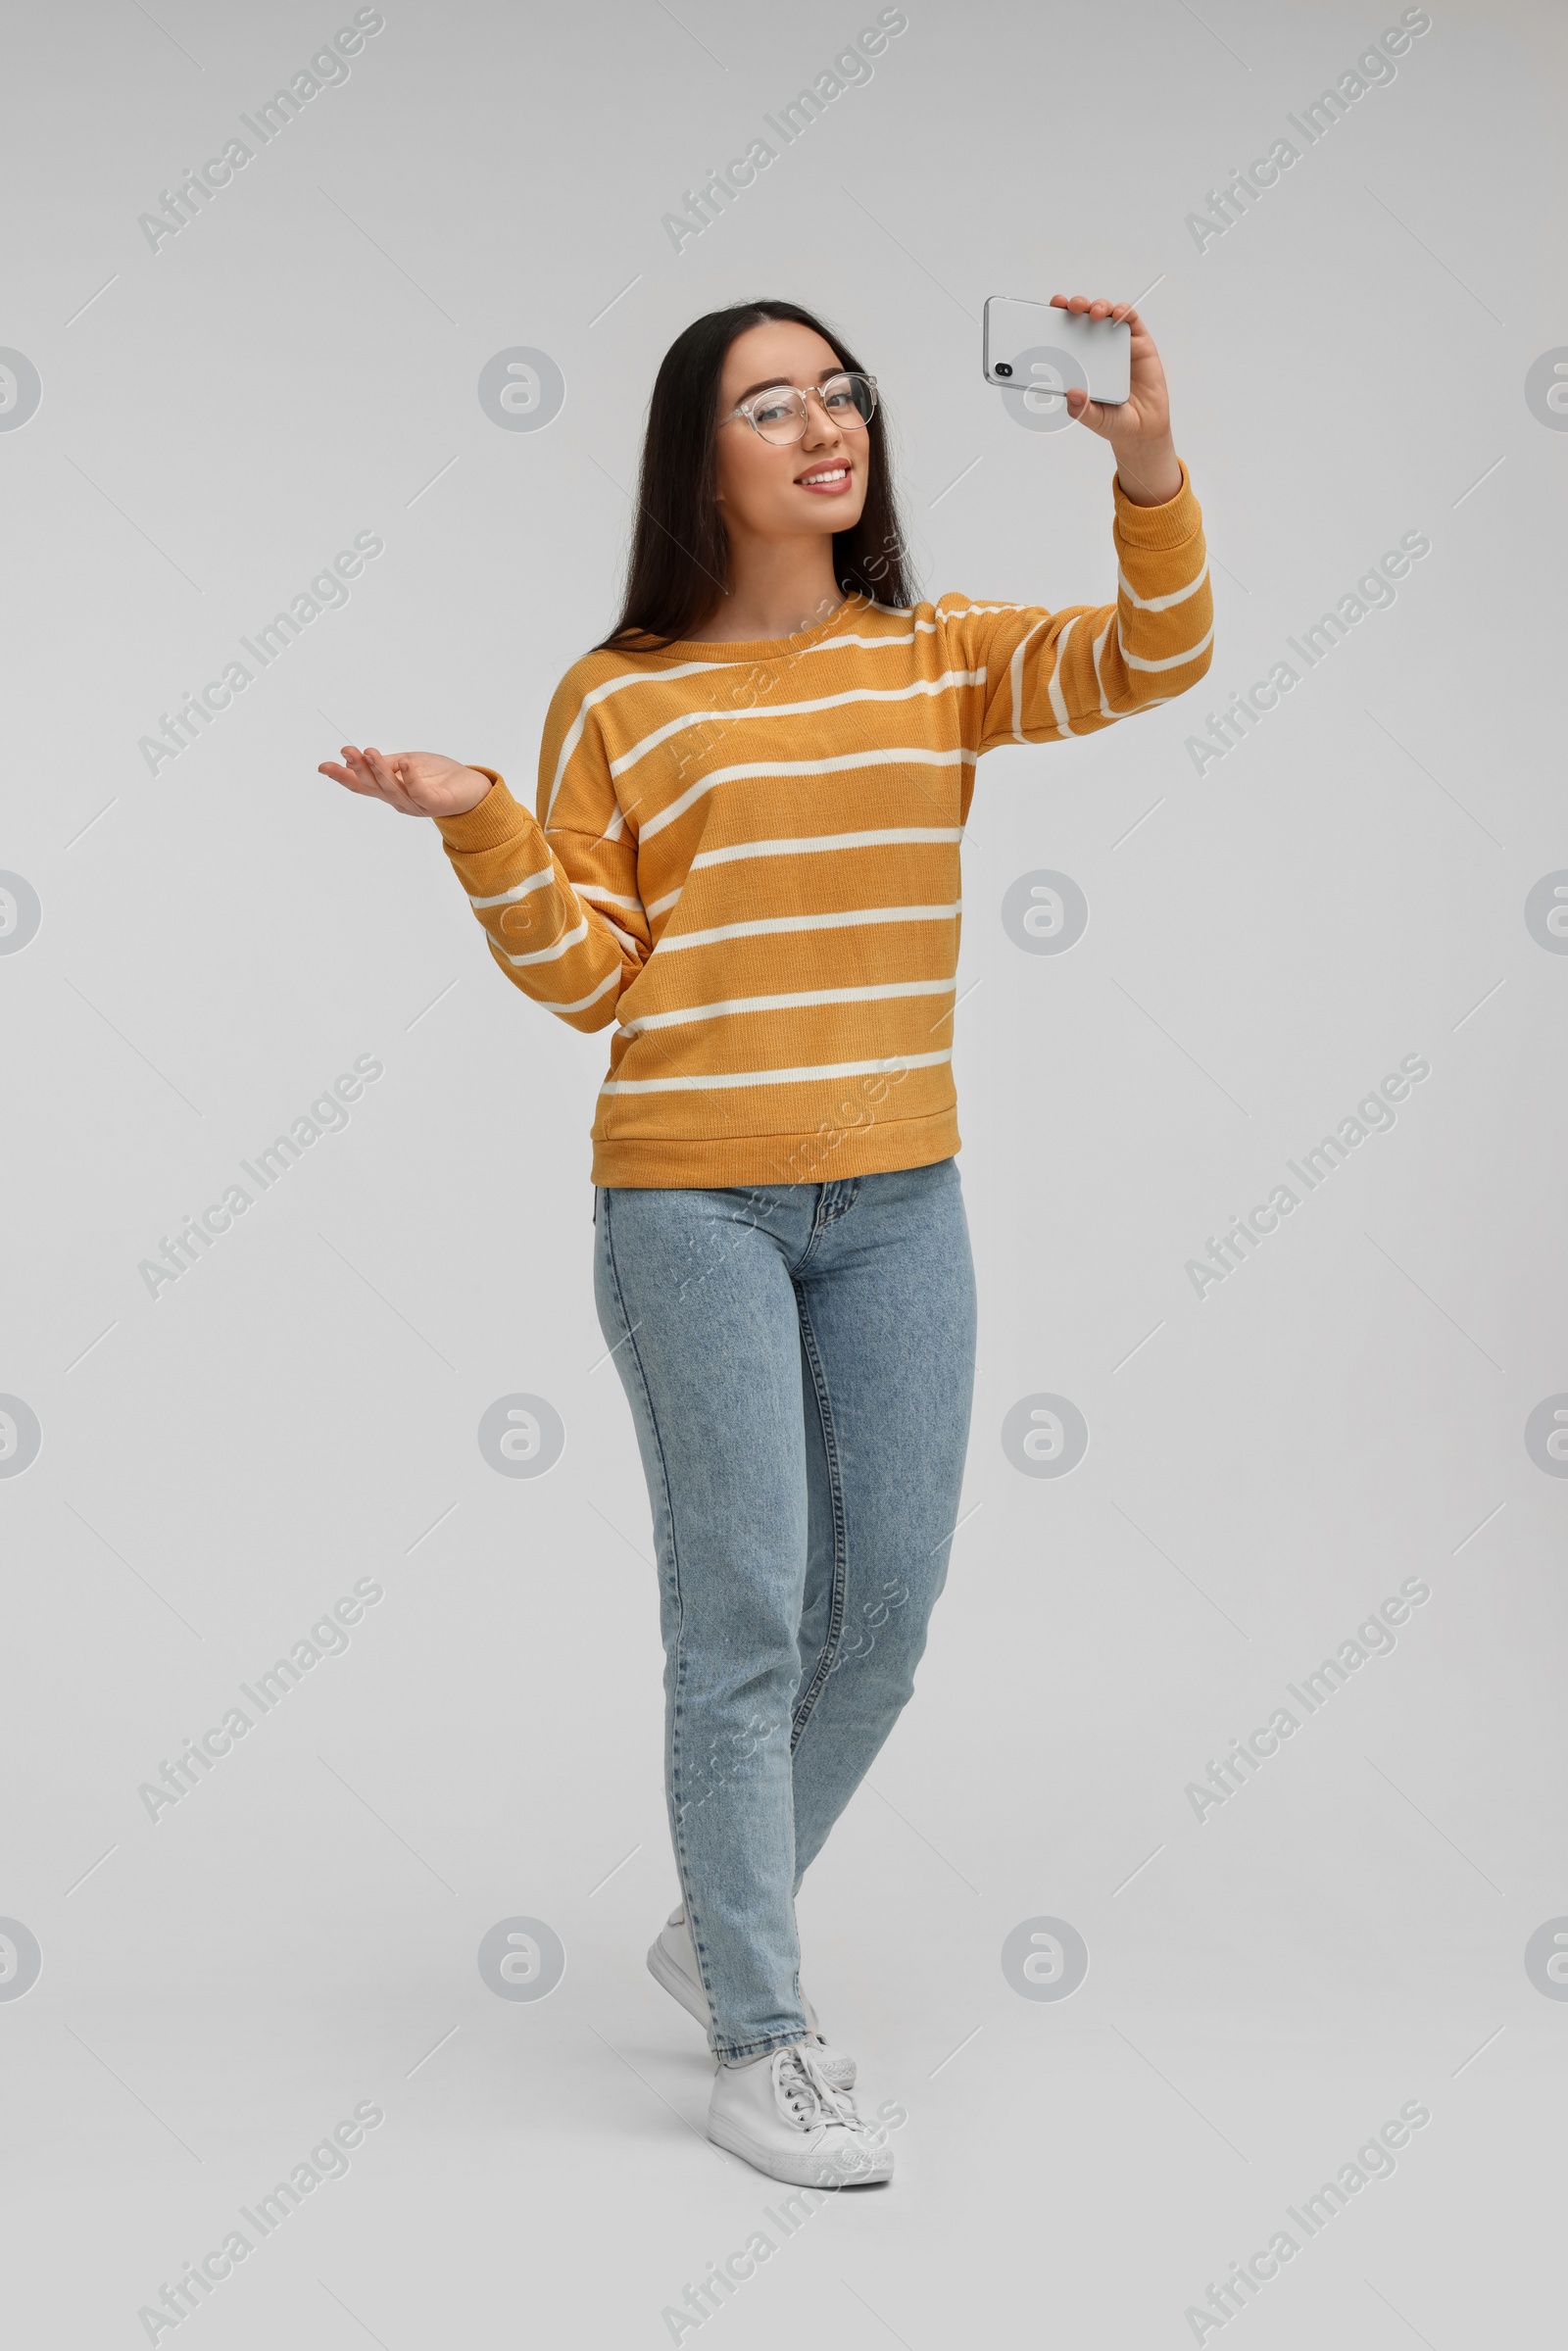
(747, 857)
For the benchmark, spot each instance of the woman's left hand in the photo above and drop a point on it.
(1138, 429)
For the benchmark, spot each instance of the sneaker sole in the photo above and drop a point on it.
(839, 2070)
(800, 2172)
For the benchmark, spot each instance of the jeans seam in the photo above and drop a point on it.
(676, 1712)
(818, 1227)
(835, 1624)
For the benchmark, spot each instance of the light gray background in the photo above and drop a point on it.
(219, 940)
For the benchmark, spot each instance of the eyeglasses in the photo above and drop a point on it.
(779, 413)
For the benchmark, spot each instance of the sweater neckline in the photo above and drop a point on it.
(740, 649)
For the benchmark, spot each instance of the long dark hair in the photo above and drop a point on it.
(679, 562)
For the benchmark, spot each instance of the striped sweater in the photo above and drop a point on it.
(746, 857)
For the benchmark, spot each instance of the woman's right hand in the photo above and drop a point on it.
(416, 783)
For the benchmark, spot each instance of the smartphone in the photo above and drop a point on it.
(1030, 346)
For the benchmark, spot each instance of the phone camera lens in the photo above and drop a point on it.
(1003, 368)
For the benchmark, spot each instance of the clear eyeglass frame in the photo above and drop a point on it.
(779, 415)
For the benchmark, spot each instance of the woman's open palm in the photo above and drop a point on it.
(416, 783)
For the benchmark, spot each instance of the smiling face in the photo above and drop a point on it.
(810, 487)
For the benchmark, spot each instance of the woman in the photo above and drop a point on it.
(750, 806)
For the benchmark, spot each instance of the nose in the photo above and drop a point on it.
(820, 427)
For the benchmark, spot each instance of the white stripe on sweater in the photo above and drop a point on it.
(507, 897)
(771, 924)
(873, 644)
(1059, 700)
(775, 1077)
(915, 755)
(1174, 660)
(1098, 647)
(877, 838)
(919, 835)
(1160, 604)
(794, 709)
(788, 1002)
(609, 897)
(583, 1001)
(549, 955)
(1015, 678)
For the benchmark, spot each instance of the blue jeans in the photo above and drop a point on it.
(799, 1363)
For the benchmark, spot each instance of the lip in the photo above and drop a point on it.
(828, 489)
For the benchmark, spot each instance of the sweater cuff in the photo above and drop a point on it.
(1159, 527)
(496, 818)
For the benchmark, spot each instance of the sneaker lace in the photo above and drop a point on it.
(806, 2098)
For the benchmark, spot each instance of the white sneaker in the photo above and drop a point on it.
(783, 2115)
(672, 1962)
